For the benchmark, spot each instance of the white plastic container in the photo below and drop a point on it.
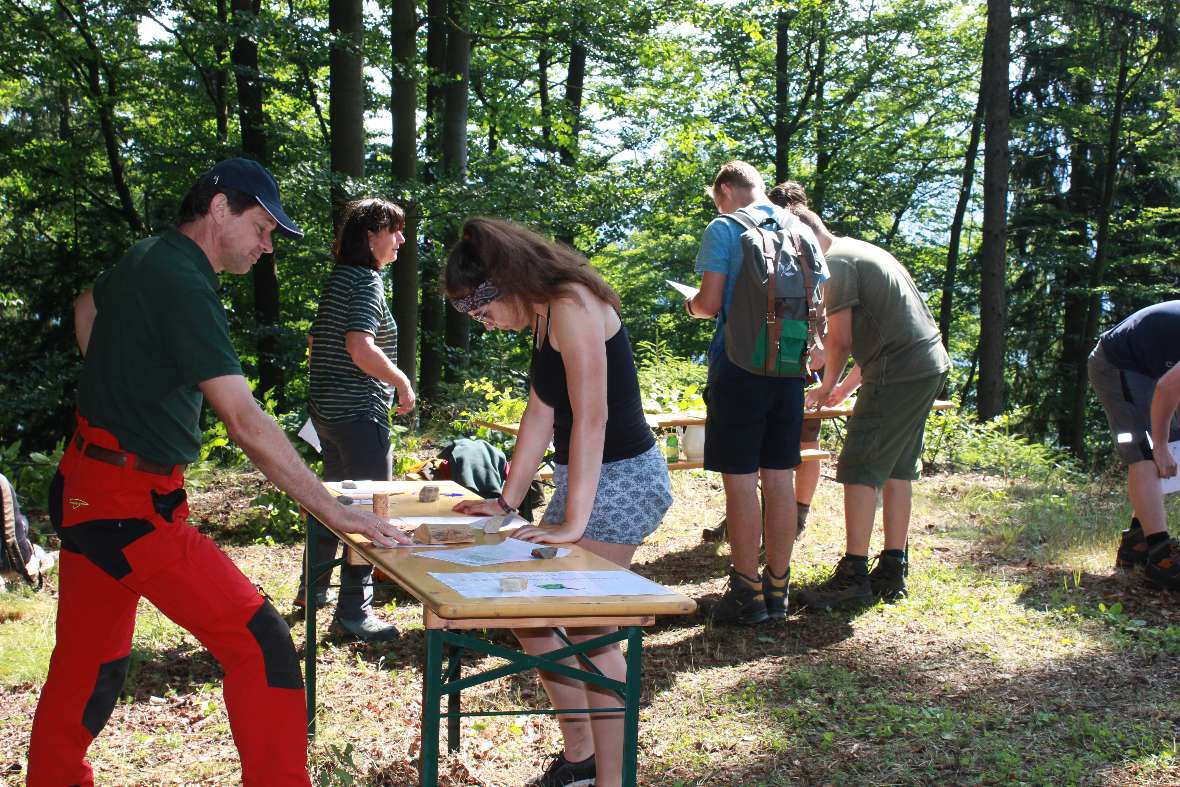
(694, 443)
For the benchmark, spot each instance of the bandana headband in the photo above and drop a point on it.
(481, 296)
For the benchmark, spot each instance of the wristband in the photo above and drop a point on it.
(504, 505)
(688, 307)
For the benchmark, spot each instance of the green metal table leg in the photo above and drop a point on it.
(454, 672)
(309, 646)
(631, 714)
(431, 696)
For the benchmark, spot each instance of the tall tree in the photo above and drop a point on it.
(430, 371)
(946, 304)
(454, 158)
(252, 119)
(993, 250)
(403, 25)
(346, 109)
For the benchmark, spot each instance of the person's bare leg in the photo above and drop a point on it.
(1143, 488)
(743, 516)
(896, 512)
(778, 490)
(807, 476)
(860, 508)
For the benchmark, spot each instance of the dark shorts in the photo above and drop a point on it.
(886, 431)
(1126, 397)
(753, 421)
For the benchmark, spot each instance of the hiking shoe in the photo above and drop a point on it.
(1162, 566)
(323, 597)
(1132, 548)
(560, 772)
(743, 603)
(848, 586)
(367, 629)
(887, 579)
(775, 593)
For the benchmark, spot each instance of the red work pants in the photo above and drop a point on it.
(125, 535)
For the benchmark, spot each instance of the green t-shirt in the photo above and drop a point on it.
(353, 300)
(894, 336)
(160, 330)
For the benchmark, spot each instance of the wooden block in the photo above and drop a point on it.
(443, 534)
(428, 494)
(381, 505)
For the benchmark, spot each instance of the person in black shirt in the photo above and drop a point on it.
(1135, 370)
(612, 485)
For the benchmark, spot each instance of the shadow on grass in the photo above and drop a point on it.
(179, 670)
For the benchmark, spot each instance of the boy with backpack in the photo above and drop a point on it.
(761, 271)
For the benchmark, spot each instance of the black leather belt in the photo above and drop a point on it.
(121, 458)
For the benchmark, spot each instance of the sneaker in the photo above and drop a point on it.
(1132, 548)
(560, 772)
(848, 585)
(1162, 566)
(742, 604)
(776, 597)
(887, 579)
(367, 629)
(322, 599)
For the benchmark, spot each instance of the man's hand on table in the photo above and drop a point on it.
(550, 534)
(817, 398)
(369, 525)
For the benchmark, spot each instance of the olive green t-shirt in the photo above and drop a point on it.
(894, 336)
(160, 330)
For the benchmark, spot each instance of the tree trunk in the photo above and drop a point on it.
(782, 135)
(346, 92)
(1102, 245)
(454, 161)
(404, 153)
(952, 254)
(823, 154)
(266, 282)
(433, 316)
(574, 85)
(993, 248)
(220, 76)
(543, 55)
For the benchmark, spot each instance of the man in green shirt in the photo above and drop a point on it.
(156, 344)
(876, 314)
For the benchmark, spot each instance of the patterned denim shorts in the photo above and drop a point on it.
(633, 495)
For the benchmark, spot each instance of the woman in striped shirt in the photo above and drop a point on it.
(354, 375)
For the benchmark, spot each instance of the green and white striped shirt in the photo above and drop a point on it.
(353, 300)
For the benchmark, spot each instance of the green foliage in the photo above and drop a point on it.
(30, 474)
(668, 384)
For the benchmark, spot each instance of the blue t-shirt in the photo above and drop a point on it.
(1147, 342)
(721, 252)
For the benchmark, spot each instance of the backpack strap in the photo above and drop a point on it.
(814, 327)
(12, 550)
(774, 326)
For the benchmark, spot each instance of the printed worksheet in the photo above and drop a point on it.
(551, 583)
(510, 550)
(683, 289)
(1170, 485)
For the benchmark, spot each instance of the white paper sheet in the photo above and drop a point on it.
(683, 289)
(440, 519)
(359, 489)
(308, 433)
(552, 583)
(1170, 485)
(510, 550)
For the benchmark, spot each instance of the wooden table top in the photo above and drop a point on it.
(697, 417)
(413, 573)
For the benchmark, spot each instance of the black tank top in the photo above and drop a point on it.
(627, 432)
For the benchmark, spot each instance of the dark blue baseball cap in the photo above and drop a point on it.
(252, 178)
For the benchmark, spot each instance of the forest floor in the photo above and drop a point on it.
(1020, 657)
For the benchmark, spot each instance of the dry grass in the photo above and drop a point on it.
(1010, 663)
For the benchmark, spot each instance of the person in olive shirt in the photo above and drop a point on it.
(876, 314)
(156, 344)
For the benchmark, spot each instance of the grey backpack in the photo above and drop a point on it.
(774, 318)
(19, 555)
